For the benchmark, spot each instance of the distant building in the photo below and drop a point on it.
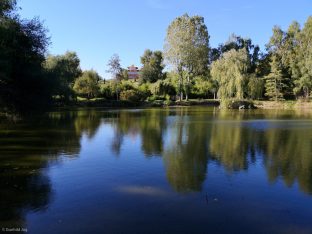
(133, 72)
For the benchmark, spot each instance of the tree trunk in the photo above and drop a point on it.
(180, 90)
(181, 85)
(117, 91)
(187, 88)
(306, 92)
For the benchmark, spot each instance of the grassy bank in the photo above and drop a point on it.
(113, 104)
(283, 105)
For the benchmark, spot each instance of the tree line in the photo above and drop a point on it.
(237, 68)
(30, 78)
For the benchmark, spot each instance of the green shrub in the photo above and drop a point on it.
(156, 97)
(132, 95)
(126, 85)
(108, 90)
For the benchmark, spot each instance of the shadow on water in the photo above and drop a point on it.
(27, 149)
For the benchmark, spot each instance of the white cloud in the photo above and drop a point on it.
(143, 190)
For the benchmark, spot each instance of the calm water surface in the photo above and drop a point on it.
(179, 170)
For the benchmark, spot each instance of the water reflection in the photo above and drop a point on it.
(232, 139)
(186, 140)
(149, 125)
(292, 160)
(27, 149)
(187, 152)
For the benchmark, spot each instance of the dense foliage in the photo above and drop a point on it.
(153, 66)
(230, 71)
(62, 71)
(23, 45)
(87, 84)
(187, 50)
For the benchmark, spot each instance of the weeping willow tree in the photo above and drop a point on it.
(230, 72)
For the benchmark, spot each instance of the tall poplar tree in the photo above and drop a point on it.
(115, 69)
(187, 49)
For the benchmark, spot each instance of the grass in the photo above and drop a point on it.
(287, 104)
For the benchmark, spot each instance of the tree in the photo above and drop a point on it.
(276, 43)
(23, 43)
(280, 53)
(301, 67)
(275, 82)
(7, 7)
(202, 87)
(237, 43)
(291, 42)
(230, 71)
(115, 69)
(62, 71)
(153, 66)
(187, 49)
(162, 87)
(255, 87)
(87, 84)
(124, 74)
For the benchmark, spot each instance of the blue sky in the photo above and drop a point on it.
(96, 29)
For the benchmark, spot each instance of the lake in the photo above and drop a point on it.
(166, 170)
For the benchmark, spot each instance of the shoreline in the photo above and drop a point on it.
(283, 105)
(263, 105)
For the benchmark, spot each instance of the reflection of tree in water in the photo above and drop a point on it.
(229, 146)
(23, 188)
(186, 162)
(149, 124)
(117, 142)
(87, 122)
(231, 138)
(26, 149)
(231, 143)
(152, 128)
(187, 154)
(288, 154)
(286, 151)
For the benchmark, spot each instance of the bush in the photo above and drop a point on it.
(132, 95)
(87, 84)
(108, 90)
(126, 85)
(156, 97)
